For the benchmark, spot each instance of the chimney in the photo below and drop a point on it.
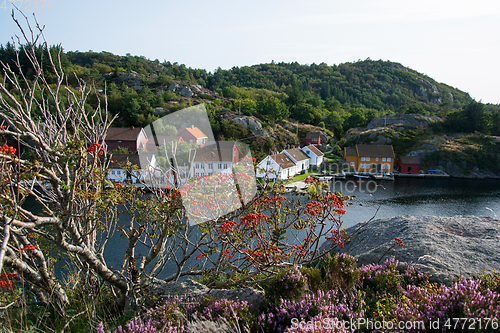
(192, 126)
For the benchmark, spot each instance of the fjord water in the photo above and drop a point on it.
(403, 196)
(419, 197)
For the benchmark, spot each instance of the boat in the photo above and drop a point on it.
(379, 176)
(339, 176)
(362, 176)
(436, 174)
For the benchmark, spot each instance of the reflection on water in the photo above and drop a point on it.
(420, 197)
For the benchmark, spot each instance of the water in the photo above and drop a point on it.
(403, 196)
(419, 197)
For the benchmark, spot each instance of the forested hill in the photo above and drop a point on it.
(381, 85)
(335, 98)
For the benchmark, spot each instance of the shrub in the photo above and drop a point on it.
(313, 307)
(338, 272)
(465, 299)
(180, 312)
(289, 284)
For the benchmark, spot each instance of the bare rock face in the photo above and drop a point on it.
(445, 247)
(254, 124)
(404, 120)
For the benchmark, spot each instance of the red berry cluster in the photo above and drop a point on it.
(30, 248)
(7, 150)
(95, 148)
(5, 281)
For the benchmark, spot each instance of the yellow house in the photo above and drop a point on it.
(373, 158)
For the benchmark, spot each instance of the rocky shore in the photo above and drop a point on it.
(445, 247)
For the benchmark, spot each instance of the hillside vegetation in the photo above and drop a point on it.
(332, 98)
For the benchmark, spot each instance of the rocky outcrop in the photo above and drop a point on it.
(402, 120)
(468, 170)
(195, 289)
(445, 247)
(424, 151)
(254, 124)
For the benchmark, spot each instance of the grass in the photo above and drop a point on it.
(304, 176)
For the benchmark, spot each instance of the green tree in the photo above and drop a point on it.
(495, 123)
(274, 108)
(476, 117)
(248, 106)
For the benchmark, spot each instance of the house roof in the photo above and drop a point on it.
(196, 132)
(123, 133)
(351, 151)
(221, 145)
(211, 153)
(375, 150)
(297, 154)
(314, 150)
(313, 135)
(410, 160)
(283, 161)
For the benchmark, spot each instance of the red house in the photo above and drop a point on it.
(409, 164)
(315, 138)
(193, 135)
(132, 138)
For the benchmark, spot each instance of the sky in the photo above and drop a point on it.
(454, 42)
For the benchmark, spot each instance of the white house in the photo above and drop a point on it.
(277, 166)
(315, 155)
(299, 158)
(118, 161)
(217, 157)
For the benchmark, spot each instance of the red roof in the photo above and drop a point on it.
(409, 160)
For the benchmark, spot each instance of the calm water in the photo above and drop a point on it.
(420, 197)
(404, 196)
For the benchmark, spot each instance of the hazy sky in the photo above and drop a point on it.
(455, 42)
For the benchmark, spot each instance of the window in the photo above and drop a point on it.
(362, 166)
(383, 166)
(112, 172)
(362, 159)
(225, 165)
(376, 159)
(268, 162)
(383, 159)
(368, 166)
(367, 158)
(220, 166)
(352, 164)
(388, 159)
(210, 165)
